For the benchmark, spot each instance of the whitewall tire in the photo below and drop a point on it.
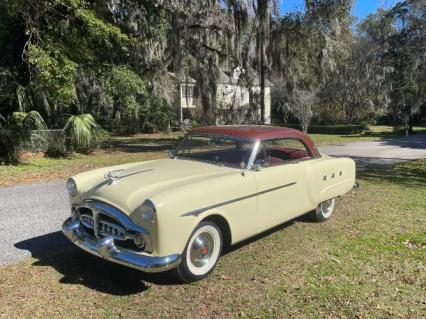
(325, 209)
(201, 253)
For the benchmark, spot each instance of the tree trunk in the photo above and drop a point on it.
(304, 125)
(262, 7)
(262, 87)
(410, 125)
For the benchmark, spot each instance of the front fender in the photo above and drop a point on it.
(181, 210)
(174, 232)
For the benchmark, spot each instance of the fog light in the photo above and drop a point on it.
(139, 241)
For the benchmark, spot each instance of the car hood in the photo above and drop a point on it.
(133, 185)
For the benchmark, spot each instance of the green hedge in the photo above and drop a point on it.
(333, 129)
(41, 140)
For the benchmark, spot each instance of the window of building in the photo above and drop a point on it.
(187, 91)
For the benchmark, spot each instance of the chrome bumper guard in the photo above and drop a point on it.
(105, 248)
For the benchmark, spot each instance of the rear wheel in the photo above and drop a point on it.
(324, 210)
(201, 252)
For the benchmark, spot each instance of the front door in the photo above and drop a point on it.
(281, 176)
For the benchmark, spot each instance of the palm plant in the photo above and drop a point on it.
(81, 132)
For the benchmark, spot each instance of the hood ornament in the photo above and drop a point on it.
(114, 175)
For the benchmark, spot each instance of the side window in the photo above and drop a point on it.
(289, 143)
(279, 151)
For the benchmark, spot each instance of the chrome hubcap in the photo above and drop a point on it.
(202, 249)
(325, 206)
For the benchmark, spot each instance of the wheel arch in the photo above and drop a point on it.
(223, 225)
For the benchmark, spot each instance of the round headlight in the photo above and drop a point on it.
(148, 211)
(71, 187)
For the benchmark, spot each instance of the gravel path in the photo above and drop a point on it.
(30, 218)
(388, 151)
(31, 215)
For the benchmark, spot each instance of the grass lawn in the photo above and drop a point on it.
(368, 261)
(122, 150)
(375, 133)
(137, 148)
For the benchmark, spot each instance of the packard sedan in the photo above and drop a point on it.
(221, 185)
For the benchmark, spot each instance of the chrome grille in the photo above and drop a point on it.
(100, 220)
(110, 229)
(87, 221)
(102, 228)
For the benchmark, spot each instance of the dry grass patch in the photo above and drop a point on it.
(38, 168)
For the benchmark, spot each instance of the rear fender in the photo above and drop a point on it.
(330, 177)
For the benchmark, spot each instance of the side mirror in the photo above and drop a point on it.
(171, 153)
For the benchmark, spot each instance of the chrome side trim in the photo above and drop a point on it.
(197, 212)
(105, 248)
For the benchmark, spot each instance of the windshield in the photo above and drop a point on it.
(217, 150)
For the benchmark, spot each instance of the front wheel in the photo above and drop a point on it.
(201, 252)
(324, 210)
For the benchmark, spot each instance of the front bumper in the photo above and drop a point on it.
(105, 248)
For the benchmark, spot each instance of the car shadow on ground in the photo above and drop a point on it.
(399, 173)
(78, 267)
(388, 169)
(415, 141)
(81, 268)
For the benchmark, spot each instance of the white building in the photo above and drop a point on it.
(232, 97)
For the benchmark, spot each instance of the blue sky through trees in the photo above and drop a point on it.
(361, 8)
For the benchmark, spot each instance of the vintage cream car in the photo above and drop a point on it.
(221, 185)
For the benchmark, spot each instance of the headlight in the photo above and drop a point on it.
(71, 187)
(149, 213)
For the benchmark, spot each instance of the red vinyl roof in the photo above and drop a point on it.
(257, 133)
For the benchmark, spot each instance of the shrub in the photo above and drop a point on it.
(14, 131)
(82, 133)
(9, 140)
(158, 116)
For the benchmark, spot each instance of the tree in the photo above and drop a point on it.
(305, 51)
(398, 58)
(301, 106)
